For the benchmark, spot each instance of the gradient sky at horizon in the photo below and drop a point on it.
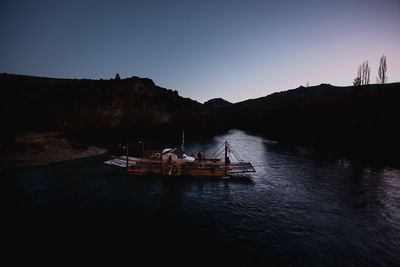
(204, 49)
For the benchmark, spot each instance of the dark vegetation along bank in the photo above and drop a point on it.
(357, 121)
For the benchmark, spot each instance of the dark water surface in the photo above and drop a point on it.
(299, 208)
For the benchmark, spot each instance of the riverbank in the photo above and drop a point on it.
(34, 149)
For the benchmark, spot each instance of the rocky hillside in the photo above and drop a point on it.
(94, 108)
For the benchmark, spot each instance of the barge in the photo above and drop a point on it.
(224, 162)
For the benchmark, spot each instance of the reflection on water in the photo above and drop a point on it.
(300, 207)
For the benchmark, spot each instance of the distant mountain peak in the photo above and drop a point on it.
(217, 102)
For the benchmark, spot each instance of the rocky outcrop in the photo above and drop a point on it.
(43, 104)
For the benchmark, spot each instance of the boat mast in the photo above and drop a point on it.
(127, 156)
(141, 141)
(226, 154)
(183, 139)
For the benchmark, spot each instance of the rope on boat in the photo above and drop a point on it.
(234, 153)
(219, 151)
(231, 151)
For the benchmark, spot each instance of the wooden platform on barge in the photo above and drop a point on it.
(171, 164)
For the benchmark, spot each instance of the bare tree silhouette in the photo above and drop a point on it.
(382, 78)
(363, 74)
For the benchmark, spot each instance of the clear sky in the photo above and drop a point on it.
(204, 49)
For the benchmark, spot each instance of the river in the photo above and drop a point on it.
(300, 208)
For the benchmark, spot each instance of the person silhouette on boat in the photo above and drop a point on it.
(227, 162)
(200, 158)
(170, 165)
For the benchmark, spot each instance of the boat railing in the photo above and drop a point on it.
(241, 167)
(201, 165)
(153, 154)
(147, 164)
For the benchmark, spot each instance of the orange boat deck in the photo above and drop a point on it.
(169, 163)
(197, 168)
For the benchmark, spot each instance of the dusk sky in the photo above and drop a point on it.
(204, 49)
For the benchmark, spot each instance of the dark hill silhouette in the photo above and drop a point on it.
(361, 121)
(217, 102)
(97, 110)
